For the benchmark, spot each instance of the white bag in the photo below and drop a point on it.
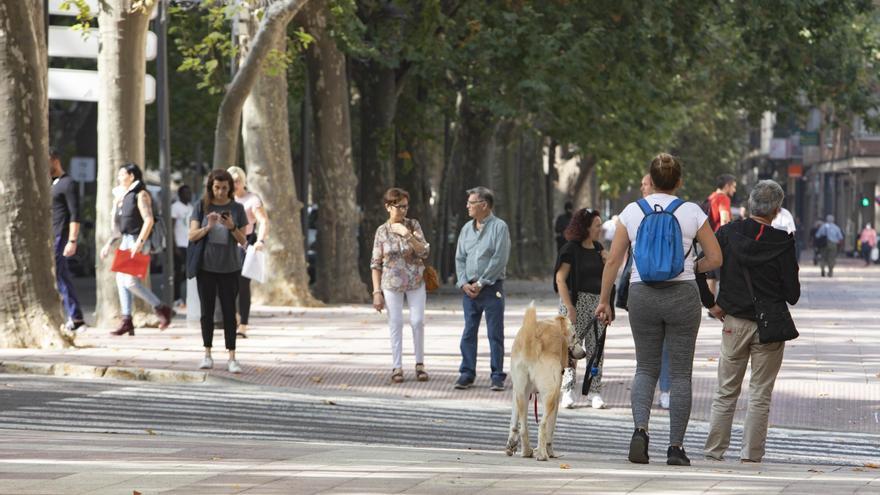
(875, 253)
(254, 266)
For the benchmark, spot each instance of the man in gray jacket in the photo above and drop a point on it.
(480, 263)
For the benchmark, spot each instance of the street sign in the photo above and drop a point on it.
(55, 8)
(82, 168)
(795, 170)
(66, 42)
(82, 85)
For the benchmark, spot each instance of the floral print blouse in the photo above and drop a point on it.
(401, 266)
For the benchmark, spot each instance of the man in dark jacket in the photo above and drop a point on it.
(769, 256)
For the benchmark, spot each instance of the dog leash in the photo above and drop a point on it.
(535, 394)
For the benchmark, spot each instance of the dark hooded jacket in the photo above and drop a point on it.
(769, 255)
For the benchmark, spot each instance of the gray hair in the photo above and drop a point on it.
(765, 199)
(484, 193)
(829, 219)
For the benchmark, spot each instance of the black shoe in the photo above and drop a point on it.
(463, 383)
(675, 456)
(497, 385)
(75, 325)
(638, 447)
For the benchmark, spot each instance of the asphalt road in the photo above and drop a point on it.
(244, 411)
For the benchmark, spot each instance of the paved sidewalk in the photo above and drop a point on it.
(830, 378)
(33, 463)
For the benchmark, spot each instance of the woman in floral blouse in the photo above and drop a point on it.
(399, 251)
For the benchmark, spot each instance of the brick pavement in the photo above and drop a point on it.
(830, 378)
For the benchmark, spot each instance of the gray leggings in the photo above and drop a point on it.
(668, 315)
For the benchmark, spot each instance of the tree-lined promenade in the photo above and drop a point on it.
(433, 96)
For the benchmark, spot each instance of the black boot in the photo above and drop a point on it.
(126, 327)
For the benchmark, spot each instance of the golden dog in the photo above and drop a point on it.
(540, 352)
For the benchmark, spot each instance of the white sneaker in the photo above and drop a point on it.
(233, 367)
(664, 400)
(567, 401)
(206, 364)
(598, 403)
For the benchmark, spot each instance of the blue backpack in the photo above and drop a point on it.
(658, 253)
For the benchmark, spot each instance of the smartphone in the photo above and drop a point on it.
(224, 214)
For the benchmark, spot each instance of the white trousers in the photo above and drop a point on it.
(394, 304)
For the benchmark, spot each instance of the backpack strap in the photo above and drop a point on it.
(674, 205)
(643, 204)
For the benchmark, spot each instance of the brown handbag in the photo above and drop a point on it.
(432, 280)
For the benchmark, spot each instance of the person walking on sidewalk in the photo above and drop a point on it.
(664, 309)
(769, 256)
(219, 222)
(578, 280)
(868, 238)
(829, 238)
(65, 226)
(256, 232)
(720, 215)
(397, 266)
(181, 210)
(480, 263)
(134, 219)
(561, 223)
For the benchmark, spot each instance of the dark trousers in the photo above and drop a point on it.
(179, 271)
(213, 286)
(64, 280)
(490, 300)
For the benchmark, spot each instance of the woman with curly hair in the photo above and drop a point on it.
(578, 281)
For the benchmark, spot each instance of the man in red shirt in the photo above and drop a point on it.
(719, 214)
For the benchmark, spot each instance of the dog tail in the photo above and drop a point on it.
(531, 317)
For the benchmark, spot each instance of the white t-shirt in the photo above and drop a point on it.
(610, 226)
(690, 217)
(181, 213)
(784, 221)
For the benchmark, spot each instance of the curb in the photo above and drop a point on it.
(110, 372)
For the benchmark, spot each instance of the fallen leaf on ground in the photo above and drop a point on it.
(814, 471)
(150, 431)
(317, 379)
(438, 420)
(328, 402)
(135, 492)
(216, 458)
(345, 385)
(872, 465)
(711, 359)
(858, 469)
(564, 466)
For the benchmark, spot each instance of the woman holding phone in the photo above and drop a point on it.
(219, 222)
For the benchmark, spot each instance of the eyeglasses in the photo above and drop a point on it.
(400, 207)
(475, 203)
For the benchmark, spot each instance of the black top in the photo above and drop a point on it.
(130, 219)
(768, 254)
(65, 204)
(221, 252)
(586, 268)
(562, 222)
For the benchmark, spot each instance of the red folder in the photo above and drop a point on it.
(124, 263)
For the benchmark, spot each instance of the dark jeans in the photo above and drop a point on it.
(213, 286)
(490, 300)
(179, 271)
(64, 280)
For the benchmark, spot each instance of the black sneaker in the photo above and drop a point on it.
(638, 447)
(463, 383)
(675, 456)
(497, 385)
(75, 326)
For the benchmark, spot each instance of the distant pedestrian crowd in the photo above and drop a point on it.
(661, 259)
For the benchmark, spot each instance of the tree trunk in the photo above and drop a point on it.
(338, 217)
(266, 141)
(378, 104)
(30, 304)
(583, 189)
(121, 71)
(274, 21)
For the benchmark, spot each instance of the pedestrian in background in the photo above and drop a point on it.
(578, 280)
(661, 313)
(397, 266)
(480, 264)
(65, 226)
(868, 238)
(218, 221)
(720, 214)
(768, 256)
(133, 213)
(181, 210)
(814, 243)
(256, 232)
(562, 222)
(829, 238)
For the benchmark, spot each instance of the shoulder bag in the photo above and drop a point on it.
(773, 317)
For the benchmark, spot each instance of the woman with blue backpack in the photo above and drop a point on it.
(664, 302)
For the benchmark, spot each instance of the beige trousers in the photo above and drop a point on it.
(739, 343)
